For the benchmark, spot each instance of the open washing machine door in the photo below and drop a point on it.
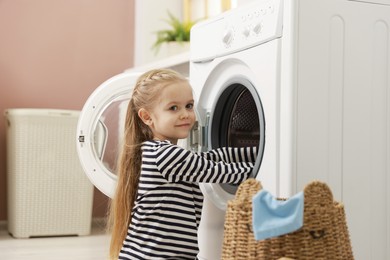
(100, 129)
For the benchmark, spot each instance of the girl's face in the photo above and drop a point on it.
(172, 116)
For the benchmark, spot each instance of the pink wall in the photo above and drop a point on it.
(53, 54)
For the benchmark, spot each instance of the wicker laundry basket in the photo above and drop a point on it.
(324, 234)
(48, 192)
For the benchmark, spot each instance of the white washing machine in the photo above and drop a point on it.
(308, 81)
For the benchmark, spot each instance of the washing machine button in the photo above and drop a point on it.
(228, 37)
(246, 32)
(258, 28)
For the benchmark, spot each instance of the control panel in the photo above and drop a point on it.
(252, 25)
(237, 29)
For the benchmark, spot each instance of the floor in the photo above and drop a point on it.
(94, 246)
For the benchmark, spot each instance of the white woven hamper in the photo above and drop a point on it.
(48, 192)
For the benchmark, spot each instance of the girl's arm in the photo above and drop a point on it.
(231, 154)
(177, 164)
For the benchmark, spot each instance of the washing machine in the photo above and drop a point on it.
(307, 81)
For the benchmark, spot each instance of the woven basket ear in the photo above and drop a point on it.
(248, 189)
(319, 192)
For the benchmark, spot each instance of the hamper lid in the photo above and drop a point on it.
(11, 112)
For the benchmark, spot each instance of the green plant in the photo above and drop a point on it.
(179, 32)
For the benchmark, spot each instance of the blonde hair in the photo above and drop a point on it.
(144, 95)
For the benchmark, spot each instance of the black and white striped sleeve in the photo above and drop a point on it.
(177, 164)
(232, 154)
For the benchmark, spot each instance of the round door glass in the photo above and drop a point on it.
(108, 133)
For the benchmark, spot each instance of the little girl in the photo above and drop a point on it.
(156, 210)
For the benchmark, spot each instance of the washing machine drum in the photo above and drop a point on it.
(100, 129)
(236, 120)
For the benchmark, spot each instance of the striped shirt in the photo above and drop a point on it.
(167, 211)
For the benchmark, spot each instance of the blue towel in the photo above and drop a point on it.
(272, 217)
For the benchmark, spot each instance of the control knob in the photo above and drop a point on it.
(228, 37)
(246, 31)
(257, 28)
